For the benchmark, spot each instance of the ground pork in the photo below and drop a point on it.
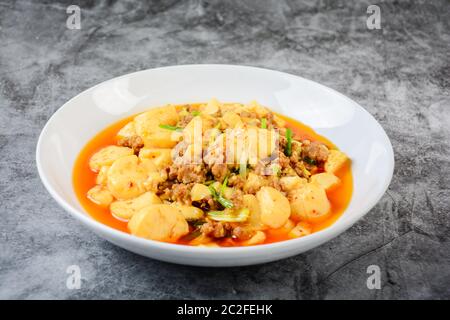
(134, 142)
(236, 182)
(206, 204)
(183, 122)
(241, 233)
(248, 114)
(283, 160)
(164, 189)
(296, 149)
(261, 169)
(187, 173)
(181, 193)
(237, 198)
(219, 171)
(265, 166)
(269, 120)
(315, 150)
(274, 182)
(216, 229)
(301, 170)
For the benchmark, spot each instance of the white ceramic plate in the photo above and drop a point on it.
(330, 113)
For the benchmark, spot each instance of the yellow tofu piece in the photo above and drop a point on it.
(254, 219)
(336, 159)
(212, 107)
(102, 176)
(161, 157)
(147, 126)
(148, 121)
(256, 107)
(161, 138)
(300, 230)
(258, 238)
(292, 182)
(232, 119)
(128, 130)
(193, 132)
(326, 180)
(126, 177)
(106, 156)
(274, 206)
(125, 209)
(190, 213)
(199, 191)
(100, 196)
(309, 203)
(162, 222)
(253, 183)
(288, 226)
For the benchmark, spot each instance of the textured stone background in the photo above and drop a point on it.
(400, 74)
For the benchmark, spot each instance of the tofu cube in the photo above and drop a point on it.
(336, 159)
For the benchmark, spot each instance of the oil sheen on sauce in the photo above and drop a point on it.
(84, 179)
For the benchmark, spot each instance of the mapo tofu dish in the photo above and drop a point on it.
(213, 174)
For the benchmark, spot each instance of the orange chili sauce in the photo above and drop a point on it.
(84, 179)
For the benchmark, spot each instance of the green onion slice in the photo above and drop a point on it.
(264, 123)
(276, 170)
(224, 185)
(169, 127)
(219, 198)
(213, 191)
(240, 215)
(243, 170)
(191, 236)
(225, 202)
(288, 149)
(308, 160)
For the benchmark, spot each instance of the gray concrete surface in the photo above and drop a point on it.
(400, 74)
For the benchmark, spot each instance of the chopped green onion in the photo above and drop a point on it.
(288, 149)
(191, 236)
(243, 170)
(308, 160)
(230, 216)
(264, 123)
(225, 202)
(195, 113)
(213, 191)
(276, 170)
(209, 182)
(169, 127)
(219, 198)
(224, 185)
(197, 223)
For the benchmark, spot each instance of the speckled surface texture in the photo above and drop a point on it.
(400, 74)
